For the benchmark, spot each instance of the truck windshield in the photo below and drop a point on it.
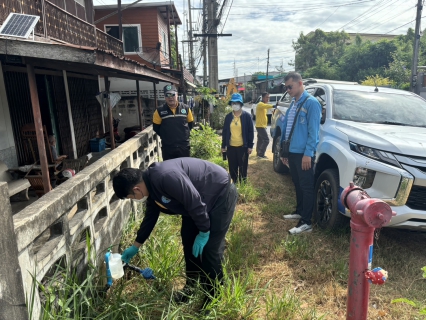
(379, 107)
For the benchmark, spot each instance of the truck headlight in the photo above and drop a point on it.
(363, 177)
(374, 154)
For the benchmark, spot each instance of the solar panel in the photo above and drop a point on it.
(19, 25)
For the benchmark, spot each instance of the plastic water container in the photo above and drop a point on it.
(116, 266)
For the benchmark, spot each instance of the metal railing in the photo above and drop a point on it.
(58, 24)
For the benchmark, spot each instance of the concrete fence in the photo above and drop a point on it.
(53, 230)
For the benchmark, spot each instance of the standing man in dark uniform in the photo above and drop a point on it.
(202, 193)
(173, 122)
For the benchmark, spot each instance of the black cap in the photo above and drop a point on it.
(169, 89)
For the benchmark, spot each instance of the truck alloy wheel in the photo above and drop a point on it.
(326, 213)
(278, 165)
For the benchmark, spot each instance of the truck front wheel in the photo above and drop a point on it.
(326, 212)
(278, 165)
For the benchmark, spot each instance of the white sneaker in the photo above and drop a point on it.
(300, 228)
(292, 216)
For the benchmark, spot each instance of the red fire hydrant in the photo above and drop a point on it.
(366, 215)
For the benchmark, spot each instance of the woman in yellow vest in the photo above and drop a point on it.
(237, 139)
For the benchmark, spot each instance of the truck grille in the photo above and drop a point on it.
(417, 198)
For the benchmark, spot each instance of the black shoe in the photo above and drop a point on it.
(183, 295)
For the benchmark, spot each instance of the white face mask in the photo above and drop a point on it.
(143, 196)
(140, 200)
(236, 106)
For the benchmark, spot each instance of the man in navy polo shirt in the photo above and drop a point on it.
(198, 190)
(173, 122)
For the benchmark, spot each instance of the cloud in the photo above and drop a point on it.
(257, 26)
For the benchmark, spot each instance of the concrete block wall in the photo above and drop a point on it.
(53, 229)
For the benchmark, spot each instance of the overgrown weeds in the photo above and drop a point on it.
(268, 273)
(205, 143)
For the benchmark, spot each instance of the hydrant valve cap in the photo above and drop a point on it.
(376, 276)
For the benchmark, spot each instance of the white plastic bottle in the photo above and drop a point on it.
(116, 266)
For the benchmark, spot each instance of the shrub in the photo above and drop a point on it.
(377, 81)
(219, 113)
(205, 143)
(220, 162)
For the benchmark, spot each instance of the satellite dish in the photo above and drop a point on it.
(154, 55)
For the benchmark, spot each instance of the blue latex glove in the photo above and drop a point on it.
(148, 274)
(129, 253)
(199, 243)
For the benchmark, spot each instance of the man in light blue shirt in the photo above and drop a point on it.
(303, 143)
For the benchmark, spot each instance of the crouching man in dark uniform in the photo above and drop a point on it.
(173, 123)
(199, 191)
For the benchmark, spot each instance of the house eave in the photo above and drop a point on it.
(91, 60)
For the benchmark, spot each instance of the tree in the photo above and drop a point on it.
(258, 73)
(310, 47)
(366, 58)
(322, 70)
(174, 57)
(398, 71)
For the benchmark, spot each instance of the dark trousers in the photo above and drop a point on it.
(304, 184)
(238, 163)
(208, 267)
(175, 152)
(262, 141)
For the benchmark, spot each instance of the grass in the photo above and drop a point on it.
(268, 273)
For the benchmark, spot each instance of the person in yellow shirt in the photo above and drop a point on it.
(237, 139)
(261, 124)
(173, 122)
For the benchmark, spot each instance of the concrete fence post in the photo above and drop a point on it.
(12, 296)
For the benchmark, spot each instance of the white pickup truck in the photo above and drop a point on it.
(375, 137)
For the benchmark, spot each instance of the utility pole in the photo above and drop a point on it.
(267, 72)
(191, 46)
(189, 41)
(245, 87)
(120, 21)
(212, 48)
(204, 43)
(416, 47)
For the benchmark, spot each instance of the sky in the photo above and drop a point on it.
(257, 26)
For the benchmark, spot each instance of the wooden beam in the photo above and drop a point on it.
(40, 50)
(177, 48)
(49, 72)
(155, 96)
(169, 38)
(140, 111)
(67, 95)
(111, 70)
(38, 128)
(110, 120)
(102, 107)
(88, 59)
(120, 21)
(183, 82)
